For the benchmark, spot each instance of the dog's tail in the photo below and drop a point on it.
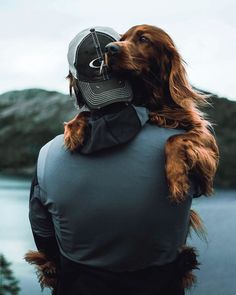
(197, 225)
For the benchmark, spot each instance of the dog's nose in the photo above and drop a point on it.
(112, 48)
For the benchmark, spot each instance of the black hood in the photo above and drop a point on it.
(112, 127)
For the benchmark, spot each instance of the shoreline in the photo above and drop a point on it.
(23, 173)
(26, 173)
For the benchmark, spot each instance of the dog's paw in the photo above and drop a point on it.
(48, 269)
(47, 274)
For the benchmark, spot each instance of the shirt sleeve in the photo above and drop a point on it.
(41, 223)
(40, 218)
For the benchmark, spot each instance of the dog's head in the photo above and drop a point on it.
(141, 49)
(149, 53)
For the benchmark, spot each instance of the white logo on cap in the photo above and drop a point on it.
(91, 64)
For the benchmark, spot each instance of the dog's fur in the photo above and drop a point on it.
(148, 57)
(45, 269)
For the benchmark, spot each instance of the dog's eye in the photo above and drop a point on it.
(144, 39)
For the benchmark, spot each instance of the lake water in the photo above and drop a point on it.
(217, 275)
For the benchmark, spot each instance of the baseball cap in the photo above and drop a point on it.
(86, 56)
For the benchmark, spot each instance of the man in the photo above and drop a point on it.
(102, 213)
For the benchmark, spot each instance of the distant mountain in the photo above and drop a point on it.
(28, 119)
(31, 117)
(223, 114)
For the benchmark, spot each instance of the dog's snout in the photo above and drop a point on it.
(112, 48)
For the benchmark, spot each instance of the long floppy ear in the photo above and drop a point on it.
(180, 89)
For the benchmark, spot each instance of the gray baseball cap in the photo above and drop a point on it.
(86, 57)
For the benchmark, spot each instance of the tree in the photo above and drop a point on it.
(8, 283)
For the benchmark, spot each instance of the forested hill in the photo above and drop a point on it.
(28, 119)
(223, 114)
(31, 117)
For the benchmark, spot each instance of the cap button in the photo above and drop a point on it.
(92, 30)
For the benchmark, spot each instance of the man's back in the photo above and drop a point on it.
(110, 209)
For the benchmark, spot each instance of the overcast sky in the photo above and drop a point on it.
(35, 35)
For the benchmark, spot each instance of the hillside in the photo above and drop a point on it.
(223, 115)
(31, 117)
(28, 119)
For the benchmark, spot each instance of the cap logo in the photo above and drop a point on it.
(95, 63)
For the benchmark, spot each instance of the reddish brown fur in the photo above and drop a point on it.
(196, 224)
(74, 131)
(172, 102)
(186, 263)
(45, 269)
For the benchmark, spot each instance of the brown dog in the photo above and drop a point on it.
(150, 60)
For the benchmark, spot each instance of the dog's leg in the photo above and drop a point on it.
(74, 132)
(177, 168)
(205, 166)
(186, 263)
(190, 152)
(45, 269)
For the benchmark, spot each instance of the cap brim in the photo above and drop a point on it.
(102, 93)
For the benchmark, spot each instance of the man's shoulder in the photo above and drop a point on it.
(57, 144)
(51, 149)
(57, 140)
(160, 133)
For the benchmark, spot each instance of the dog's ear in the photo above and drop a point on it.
(180, 89)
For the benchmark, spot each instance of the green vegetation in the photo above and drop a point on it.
(28, 119)
(223, 115)
(31, 117)
(8, 283)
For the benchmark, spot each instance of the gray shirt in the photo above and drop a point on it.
(110, 209)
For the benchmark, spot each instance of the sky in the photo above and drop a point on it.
(35, 35)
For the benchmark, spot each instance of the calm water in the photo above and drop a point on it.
(217, 275)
